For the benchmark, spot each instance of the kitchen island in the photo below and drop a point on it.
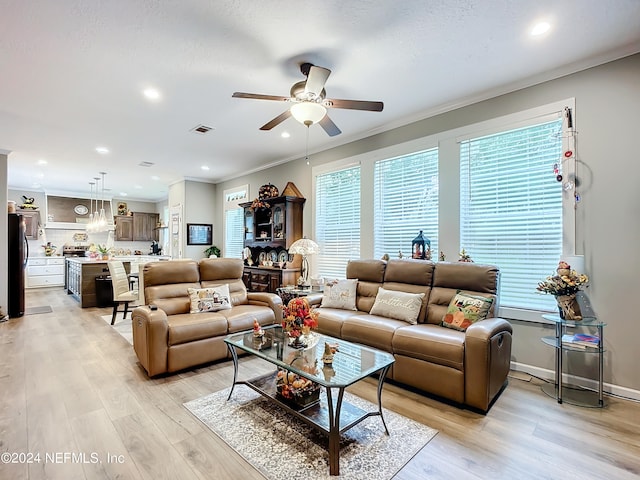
(80, 278)
(81, 274)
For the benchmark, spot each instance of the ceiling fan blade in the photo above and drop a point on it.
(276, 121)
(258, 96)
(354, 104)
(329, 127)
(316, 79)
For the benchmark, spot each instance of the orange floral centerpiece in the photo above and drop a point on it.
(298, 319)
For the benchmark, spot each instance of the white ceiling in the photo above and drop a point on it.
(72, 72)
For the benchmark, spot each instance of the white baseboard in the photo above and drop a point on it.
(589, 383)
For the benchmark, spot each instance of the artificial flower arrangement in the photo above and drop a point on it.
(298, 318)
(565, 282)
(259, 203)
(297, 388)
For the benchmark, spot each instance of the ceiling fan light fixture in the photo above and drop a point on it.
(308, 113)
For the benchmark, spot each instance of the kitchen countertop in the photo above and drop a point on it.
(124, 258)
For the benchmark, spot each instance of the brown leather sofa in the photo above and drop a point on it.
(171, 338)
(469, 368)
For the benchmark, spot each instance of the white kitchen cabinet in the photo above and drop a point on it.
(45, 272)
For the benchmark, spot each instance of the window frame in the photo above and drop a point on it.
(232, 197)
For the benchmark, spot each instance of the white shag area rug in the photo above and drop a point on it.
(281, 447)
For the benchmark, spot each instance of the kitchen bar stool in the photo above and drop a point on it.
(121, 291)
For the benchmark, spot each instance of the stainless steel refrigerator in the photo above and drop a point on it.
(18, 254)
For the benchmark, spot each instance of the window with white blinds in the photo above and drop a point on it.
(234, 221)
(406, 201)
(337, 220)
(511, 211)
(233, 242)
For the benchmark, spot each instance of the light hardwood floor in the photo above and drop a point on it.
(70, 384)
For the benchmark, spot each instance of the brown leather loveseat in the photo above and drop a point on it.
(468, 367)
(168, 338)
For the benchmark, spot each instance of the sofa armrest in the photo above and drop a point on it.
(315, 299)
(151, 338)
(487, 358)
(270, 300)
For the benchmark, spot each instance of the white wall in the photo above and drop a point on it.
(200, 207)
(607, 118)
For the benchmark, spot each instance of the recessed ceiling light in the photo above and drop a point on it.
(102, 150)
(540, 28)
(151, 93)
(204, 167)
(285, 134)
(124, 194)
(42, 161)
(155, 177)
(138, 187)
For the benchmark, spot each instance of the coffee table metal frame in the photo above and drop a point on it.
(333, 417)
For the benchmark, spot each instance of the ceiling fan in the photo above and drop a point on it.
(310, 103)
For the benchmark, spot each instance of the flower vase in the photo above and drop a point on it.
(568, 307)
(296, 342)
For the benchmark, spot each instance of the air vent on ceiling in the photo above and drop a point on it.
(201, 129)
(146, 164)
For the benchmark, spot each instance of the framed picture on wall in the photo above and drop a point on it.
(199, 233)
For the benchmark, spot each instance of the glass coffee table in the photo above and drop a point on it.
(333, 415)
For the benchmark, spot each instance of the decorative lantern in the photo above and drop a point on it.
(421, 247)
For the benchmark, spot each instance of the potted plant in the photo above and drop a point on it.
(104, 251)
(212, 251)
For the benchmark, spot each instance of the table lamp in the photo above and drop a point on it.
(304, 247)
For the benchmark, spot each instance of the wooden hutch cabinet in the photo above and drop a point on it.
(268, 234)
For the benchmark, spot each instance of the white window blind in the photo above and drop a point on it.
(406, 201)
(337, 222)
(234, 220)
(511, 208)
(234, 223)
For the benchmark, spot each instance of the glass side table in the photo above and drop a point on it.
(288, 293)
(575, 395)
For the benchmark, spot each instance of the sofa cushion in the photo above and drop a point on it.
(371, 330)
(209, 299)
(466, 309)
(411, 276)
(173, 298)
(218, 271)
(241, 317)
(399, 305)
(330, 320)
(431, 343)
(187, 327)
(340, 294)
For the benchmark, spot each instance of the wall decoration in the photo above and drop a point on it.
(199, 233)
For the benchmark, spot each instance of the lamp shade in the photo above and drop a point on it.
(308, 113)
(304, 246)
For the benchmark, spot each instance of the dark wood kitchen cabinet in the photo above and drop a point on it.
(144, 226)
(124, 228)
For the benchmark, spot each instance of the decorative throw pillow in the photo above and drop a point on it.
(466, 309)
(340, 294)
(210, 299)
(399, 305)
